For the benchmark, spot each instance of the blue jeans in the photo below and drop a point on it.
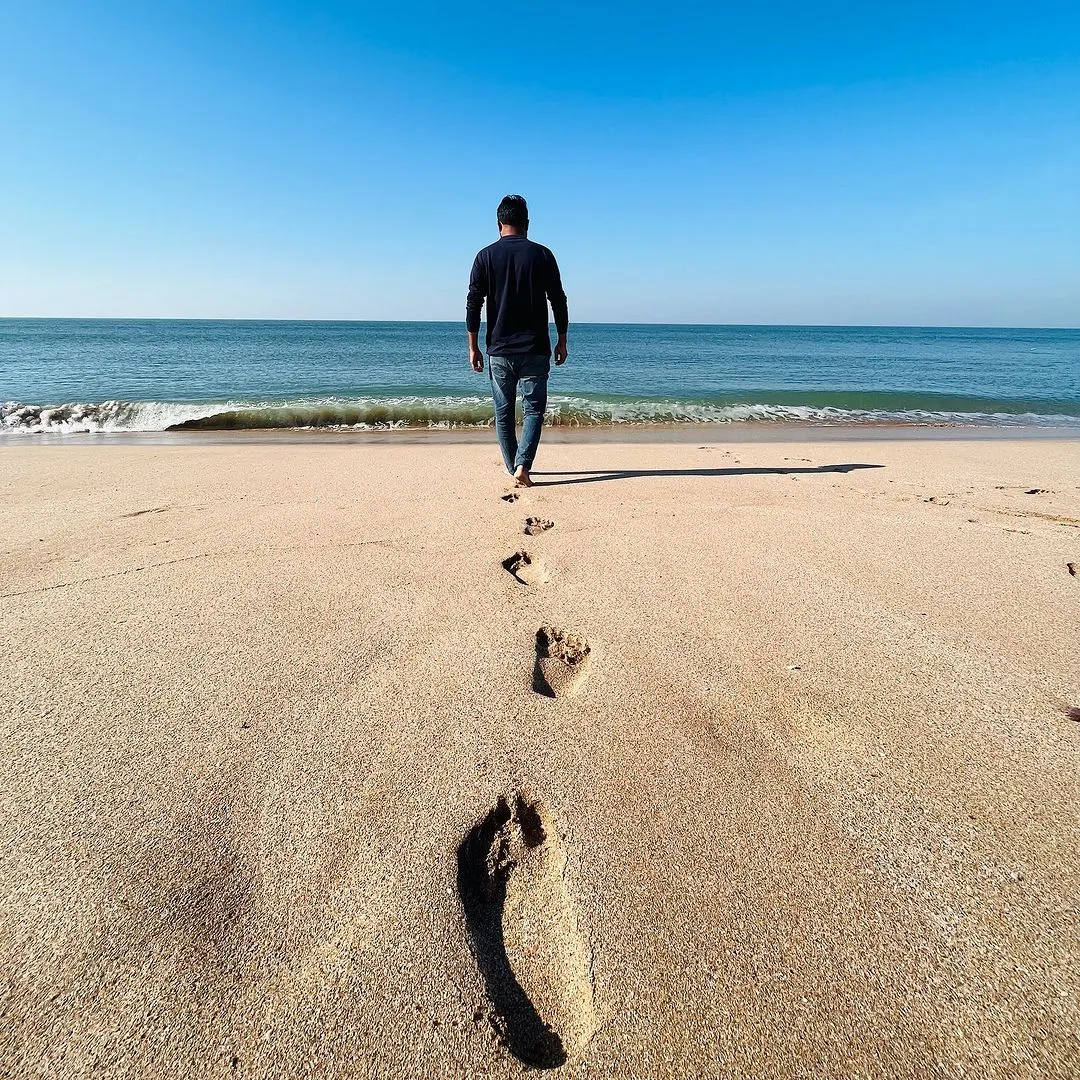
(507, 373)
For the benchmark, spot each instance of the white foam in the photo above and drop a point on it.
(76, 417)
(471, 411)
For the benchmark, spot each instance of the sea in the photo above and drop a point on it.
(112, 376)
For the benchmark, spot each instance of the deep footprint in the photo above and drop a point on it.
(524, 933)
(562, 662)
(526, 568)
(535, 525)
(510, 497)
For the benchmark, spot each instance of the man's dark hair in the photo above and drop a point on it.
(514, 211)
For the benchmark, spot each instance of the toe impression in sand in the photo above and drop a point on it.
(562, 662)
(526, 568)
(524, 933)
(534, 526)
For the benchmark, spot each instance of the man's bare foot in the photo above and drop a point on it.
(522, 477)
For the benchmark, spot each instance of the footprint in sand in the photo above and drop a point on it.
(534, 526)
(1073, 568)
(511, 497)
(526, 568)
(524, 932)
(562, 662)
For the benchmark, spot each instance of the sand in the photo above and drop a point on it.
(282, 793)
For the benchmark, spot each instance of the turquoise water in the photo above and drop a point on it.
(71, 375)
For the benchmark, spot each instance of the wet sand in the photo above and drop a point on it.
(757, 765)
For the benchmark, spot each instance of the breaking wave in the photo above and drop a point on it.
(106, 416)
(475, 412)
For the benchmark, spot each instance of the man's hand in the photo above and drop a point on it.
(476, 358)
(560, 352)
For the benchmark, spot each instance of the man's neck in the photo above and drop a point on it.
(509, 230)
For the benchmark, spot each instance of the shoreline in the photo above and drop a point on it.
(753, 431)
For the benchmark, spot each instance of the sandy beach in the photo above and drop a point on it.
(756, 763)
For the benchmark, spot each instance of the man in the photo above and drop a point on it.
(518, 278)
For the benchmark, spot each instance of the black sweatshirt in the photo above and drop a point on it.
(518, 278)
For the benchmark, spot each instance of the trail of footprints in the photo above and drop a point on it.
(510, 874)
(562, 658)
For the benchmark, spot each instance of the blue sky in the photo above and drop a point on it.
(907, 163)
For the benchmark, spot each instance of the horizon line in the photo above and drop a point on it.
(461, 322)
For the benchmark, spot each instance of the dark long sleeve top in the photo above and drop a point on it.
(518, 278)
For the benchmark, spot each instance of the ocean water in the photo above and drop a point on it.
(76, 375)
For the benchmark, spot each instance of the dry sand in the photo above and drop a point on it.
(283, 791)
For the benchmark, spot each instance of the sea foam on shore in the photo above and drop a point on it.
(470, 412)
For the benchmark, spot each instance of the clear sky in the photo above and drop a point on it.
(688, 162)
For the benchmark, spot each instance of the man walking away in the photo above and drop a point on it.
(518, 278)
